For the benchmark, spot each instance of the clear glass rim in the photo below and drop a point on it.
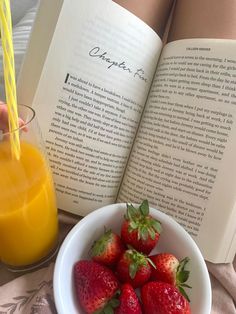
(27, 122)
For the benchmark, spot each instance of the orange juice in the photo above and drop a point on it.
(28, 213)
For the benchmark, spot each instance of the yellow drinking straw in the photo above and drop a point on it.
(9, 75)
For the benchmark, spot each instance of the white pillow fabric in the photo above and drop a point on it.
(23, 15)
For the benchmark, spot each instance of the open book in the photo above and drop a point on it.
(125, 118)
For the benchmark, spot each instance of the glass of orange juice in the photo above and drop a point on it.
(28, 211)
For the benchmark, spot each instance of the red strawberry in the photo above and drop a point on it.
(129, 302)
(95, 285)
(169, 269)
(133, 267)
(107, 249)
(139, 229)
(162, 298)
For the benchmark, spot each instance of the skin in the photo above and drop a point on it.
(154, 13)
(4, 118)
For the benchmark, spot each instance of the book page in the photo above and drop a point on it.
(183, 160)
(90, 97)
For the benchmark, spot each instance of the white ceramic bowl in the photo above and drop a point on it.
(173, 239)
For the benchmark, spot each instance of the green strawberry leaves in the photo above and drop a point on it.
(137, 260)
(131, 213)
(183, 292)
(140, 220)
(100, 244)
(144, 208)
(143, 232)
(156, 225)
(133, 268)
(182, 276)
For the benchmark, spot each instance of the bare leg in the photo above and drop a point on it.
(154, 13)
(204, 19)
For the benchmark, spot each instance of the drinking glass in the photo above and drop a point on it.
(28, 211)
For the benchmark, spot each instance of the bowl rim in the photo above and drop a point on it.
(72, 233)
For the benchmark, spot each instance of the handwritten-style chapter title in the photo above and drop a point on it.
(96, 52)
